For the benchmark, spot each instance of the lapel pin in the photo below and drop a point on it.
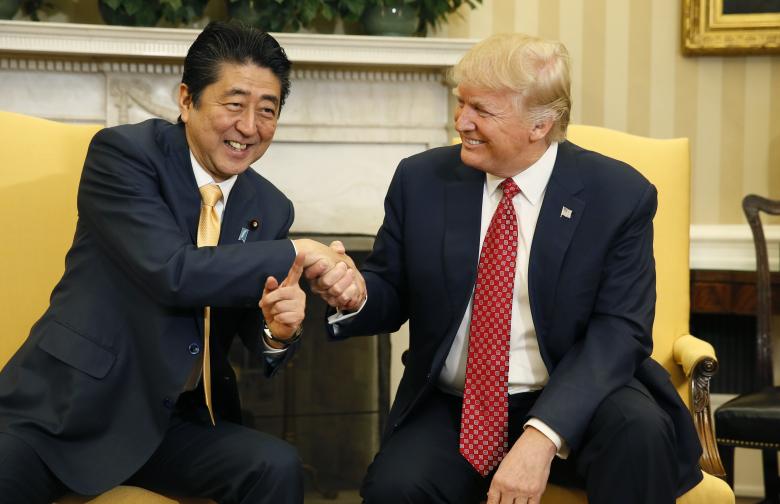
(566, 212)
(252, 225)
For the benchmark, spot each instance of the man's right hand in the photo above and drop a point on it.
(332, 274)
(522, 475)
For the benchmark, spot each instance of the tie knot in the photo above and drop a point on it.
(510, 188)
(210, 193)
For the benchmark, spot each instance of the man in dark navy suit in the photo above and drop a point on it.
(524, 265)
(109, 386)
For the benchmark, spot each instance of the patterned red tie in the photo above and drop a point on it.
(484, 421)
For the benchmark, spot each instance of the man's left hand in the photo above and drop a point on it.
(522, 476)
(283, 305)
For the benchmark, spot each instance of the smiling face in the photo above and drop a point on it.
(497, 138)
(235, 120)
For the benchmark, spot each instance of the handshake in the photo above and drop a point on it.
(331, 273)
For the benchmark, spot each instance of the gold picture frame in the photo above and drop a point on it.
(708, 29)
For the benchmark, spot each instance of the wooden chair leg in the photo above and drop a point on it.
(771, 477)
(727, 457)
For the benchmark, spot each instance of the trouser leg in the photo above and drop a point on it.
(421, 462)
(24, 478)
(228, 463)
(629, 453)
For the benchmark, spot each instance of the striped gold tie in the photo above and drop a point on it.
(208, 236)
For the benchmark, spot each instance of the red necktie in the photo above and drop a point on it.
(484, 421)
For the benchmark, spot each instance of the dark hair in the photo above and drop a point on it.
(232, 42)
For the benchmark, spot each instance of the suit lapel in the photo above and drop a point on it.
(185, 198)
(174, 143)
(237, 211)
(463, 214)
(558, 219)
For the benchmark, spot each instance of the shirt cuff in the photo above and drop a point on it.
(270, 351)
(340, 316)
(562, 449)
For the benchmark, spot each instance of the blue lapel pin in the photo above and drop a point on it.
(252, 225)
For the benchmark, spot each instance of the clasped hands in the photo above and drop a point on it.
(331, 273)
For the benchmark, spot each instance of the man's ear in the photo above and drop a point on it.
(540, 129)
(185, 102)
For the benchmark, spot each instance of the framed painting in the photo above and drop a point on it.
(731, 27)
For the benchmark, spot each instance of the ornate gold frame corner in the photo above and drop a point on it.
(706, 30)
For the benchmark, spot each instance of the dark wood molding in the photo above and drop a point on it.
(729, 292)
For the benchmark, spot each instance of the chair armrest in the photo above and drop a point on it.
(689, 351)
(698, 361)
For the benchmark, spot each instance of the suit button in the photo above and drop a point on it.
(194, 348)
(428, 377)
(168, 402)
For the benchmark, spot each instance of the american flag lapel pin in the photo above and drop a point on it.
(566, 212)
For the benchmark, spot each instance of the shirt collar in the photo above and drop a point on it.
(533, 180)
(202, 178)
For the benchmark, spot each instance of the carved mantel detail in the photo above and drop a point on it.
(129, 92)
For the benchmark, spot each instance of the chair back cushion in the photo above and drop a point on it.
(41, 164)
(666, 163)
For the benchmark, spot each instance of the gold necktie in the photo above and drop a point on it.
(208, 236)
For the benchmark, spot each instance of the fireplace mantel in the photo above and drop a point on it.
(124, 43)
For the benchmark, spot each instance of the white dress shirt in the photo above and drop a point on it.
(527, 371)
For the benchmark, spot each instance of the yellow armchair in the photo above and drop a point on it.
(41, 162)
(690, 361)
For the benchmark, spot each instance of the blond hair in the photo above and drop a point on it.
(536, 70)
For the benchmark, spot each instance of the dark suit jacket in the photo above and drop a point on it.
(591, 285)
(93, 387)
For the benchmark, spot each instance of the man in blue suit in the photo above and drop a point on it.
(109, 386)
(524, 265)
